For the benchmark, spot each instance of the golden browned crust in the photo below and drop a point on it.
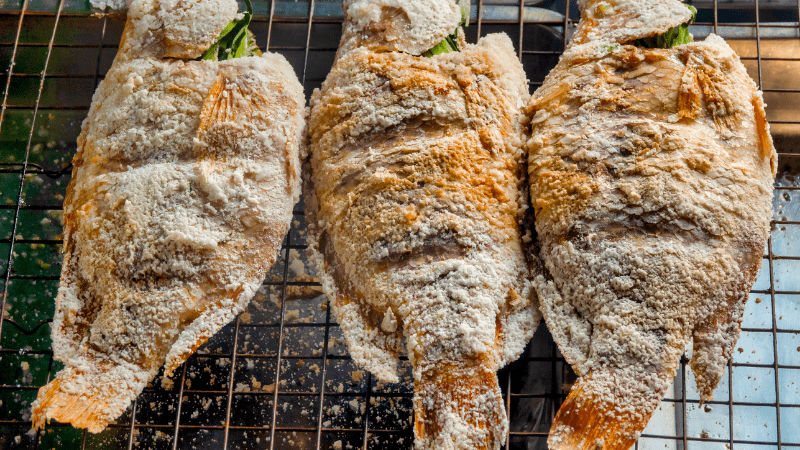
(414, 207)
(181, 193)
(651, 178)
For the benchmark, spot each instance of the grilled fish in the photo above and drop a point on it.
(414, 204)
(181, 193)
(651, 175)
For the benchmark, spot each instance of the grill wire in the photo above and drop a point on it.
(279, 377)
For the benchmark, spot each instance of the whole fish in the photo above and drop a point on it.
(181, 193)
(651, 175)
(414, 199)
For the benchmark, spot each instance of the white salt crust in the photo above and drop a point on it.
(398, 25)
(618, 21)
(181, 193)
(651, 178)
(414, 201)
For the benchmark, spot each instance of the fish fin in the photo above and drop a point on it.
(704, 85)
(515, 326)
(213, 317)
(712, 347)
(689, 94)
(88, 396)
(370, 346)
(600, 413)
(233, 100)
(766, 149)
(458, 406)
(715, 336)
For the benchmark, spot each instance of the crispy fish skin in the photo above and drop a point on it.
(651, 177)
(181, 192)
(414, 201)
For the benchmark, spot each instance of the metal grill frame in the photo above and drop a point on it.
(558, 367)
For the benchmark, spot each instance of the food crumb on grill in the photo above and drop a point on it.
(118, 5)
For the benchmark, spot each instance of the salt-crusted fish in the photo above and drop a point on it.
(181, 193)
(414, 208)
(651, 175)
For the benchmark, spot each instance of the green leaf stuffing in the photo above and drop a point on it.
(450, 43)
(235, 40)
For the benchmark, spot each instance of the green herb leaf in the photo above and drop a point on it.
(235, 40)
(674, 36)
(449, 44)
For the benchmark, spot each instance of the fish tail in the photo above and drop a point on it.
(606, 410)
(88, 397)
(458, 406)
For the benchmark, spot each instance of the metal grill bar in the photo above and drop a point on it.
(11, 66)
(280, 352)
(24, 166)
(178, 409)
(324, 372)
(367, 411)
(684, 408)
(231, 382)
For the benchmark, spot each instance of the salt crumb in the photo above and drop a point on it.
(117, 5)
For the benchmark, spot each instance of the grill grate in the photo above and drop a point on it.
(279, 377)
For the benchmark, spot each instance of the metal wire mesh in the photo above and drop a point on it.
(279, 377)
